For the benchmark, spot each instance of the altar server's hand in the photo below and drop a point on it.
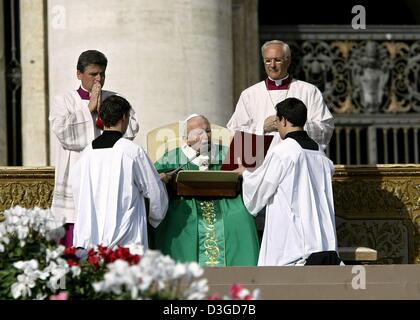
(240, 168)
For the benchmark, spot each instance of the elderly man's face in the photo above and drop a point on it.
(275, 62)
(199, 134)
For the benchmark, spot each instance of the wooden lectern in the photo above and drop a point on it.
(196, 183)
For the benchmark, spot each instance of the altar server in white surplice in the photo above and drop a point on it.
(294, 184)
(110, 181)
(255, 111)
(74, 121)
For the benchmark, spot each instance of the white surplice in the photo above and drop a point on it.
(256, 103)
(109, 187)
(74, 128)
(295, 187)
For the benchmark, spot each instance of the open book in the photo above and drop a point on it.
(250, 148)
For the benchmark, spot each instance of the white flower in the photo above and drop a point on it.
(156, 274)
(145, 282)
(13, 219)
(57, 271)
(119, 266)
(5, 240)
(54, 254)
(42, 275)
(179, 270)
(19, 289)
(75, 270)
(243, 293)
(23, 286)
(99, 286)
(19, 221)
(134, 292)
(256, 294)
(197, 290)
(22, 232)
(41, 296)
(27, 266)
(194, 270)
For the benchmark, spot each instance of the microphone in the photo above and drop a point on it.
(175, 171)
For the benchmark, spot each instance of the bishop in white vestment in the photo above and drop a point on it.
(74, 121)
(74, 128)
(257, 103)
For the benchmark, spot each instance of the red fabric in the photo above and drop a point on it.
(84, 95)
(100, 123)
(271, 85)
(67, 240)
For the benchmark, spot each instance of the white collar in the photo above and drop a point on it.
(81, 86)
(279, 82)
(202, 161)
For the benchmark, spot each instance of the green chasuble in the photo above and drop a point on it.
(211, 231)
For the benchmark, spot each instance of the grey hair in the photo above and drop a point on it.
(285, 46)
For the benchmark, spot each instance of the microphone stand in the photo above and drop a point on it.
(175, 171)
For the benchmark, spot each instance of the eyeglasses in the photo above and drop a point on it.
(276, 61)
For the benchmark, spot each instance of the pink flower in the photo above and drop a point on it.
(63, 295)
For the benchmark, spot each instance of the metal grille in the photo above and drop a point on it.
(13, 81)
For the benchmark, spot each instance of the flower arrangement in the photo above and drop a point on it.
(30, 262)
(33, 266)
(237, 292)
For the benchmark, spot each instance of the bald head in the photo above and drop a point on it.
(198, 122)
(199, 133)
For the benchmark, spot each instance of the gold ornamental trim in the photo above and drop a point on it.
(212, 251)
(28, 187)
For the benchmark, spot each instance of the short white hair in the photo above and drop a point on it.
(285, 46)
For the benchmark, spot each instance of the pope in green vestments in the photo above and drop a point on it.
(216, 231)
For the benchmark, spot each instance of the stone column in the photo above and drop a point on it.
(3, 124)
(34, 91)
(169, 58)
(246, 48)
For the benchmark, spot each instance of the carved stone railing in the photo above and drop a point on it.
(379, 207)
(26, 186)
(376, 206)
